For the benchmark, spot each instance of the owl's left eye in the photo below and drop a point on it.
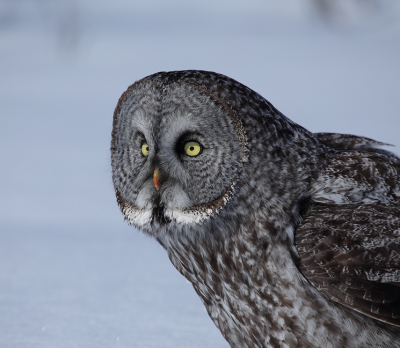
(145, 149)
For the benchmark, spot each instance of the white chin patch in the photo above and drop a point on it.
(137, 217)
(178, 209)
(187, 217)
(141, 217)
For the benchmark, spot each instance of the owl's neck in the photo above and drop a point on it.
(257, 297)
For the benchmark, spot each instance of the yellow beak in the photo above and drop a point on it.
(157, 178)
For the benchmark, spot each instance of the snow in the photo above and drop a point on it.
(81, 288)
(72, 273)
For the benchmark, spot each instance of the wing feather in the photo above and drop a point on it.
(349, 240)
(354, 142)
(351, 253)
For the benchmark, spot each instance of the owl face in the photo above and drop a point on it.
(176, 153)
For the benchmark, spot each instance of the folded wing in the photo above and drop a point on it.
(349, 240)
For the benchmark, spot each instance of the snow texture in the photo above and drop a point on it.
(72, 273)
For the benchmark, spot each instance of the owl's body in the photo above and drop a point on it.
(291, 239)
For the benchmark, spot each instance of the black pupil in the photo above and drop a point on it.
(147, 148)
(191, 148)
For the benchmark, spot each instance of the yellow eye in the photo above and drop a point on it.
(192, 148)
(145, 149)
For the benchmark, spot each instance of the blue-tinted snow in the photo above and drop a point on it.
(72, 273)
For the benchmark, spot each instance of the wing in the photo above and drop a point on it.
(353, 142)
(351, 253)
(349, 240)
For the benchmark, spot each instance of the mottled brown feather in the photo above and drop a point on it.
(351, 253)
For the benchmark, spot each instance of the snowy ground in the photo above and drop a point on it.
(72, 273)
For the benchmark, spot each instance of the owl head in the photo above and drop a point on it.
(196, 153)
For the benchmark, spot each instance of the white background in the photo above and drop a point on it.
(72, 273)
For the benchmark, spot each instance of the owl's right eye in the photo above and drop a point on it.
(192, 148)
(145, 149)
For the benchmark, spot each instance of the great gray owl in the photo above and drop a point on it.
(291, 239)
